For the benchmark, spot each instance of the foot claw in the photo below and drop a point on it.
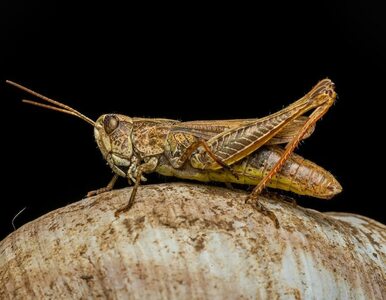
(270, 215)
(97, 192)
(261, 208)
(127, 206)
(121, 210)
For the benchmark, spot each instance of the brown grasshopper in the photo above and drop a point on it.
(241, 151)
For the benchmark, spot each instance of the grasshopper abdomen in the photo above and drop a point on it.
(297, 175)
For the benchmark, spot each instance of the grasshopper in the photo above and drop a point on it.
(244, 151)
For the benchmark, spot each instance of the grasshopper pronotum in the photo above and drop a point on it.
(242, 151)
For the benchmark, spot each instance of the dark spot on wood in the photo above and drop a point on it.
(53, 227)
(135, 238)
(128, 226)
(83, 250)
(229, 203)
(69, 289)
(192, 221)
(140, 220)
(199, 245)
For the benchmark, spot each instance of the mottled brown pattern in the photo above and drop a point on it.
(149, 135)
(222, 148)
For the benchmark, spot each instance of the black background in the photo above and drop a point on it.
(185, 62)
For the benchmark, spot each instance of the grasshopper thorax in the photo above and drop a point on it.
(113, 135)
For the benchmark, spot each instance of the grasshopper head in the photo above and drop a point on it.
(113, 135)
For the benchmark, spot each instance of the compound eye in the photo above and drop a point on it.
(110, 123)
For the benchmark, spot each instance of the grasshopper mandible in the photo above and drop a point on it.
(241, 151)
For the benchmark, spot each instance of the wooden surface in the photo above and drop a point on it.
(186, 241)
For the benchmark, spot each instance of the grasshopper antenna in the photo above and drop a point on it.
(57, 105)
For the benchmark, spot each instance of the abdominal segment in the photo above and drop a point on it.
(297, 175)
